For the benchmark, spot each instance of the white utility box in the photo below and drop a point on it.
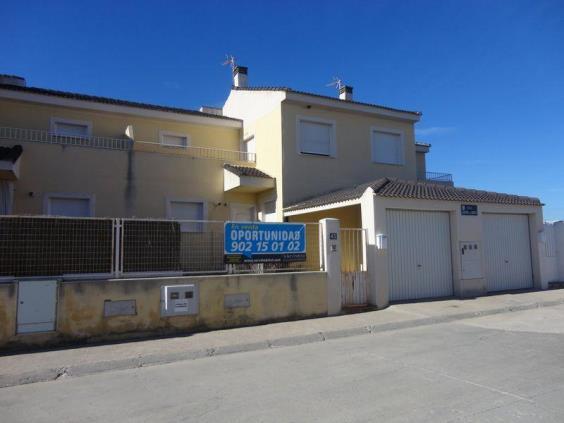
(37, 306)
(471, 260)
(179, 300)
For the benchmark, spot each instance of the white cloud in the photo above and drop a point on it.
(434, 130)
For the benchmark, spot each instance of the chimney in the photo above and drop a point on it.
(345, 93)
(240, 76)
(18, 81)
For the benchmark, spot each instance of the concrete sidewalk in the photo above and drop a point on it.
(51, 365)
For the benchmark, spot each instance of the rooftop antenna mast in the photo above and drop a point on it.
(337, 83)
(231, 61)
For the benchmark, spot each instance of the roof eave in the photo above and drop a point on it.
(336, 103)
(152, 111)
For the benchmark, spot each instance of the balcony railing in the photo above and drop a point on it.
(204, 152)
(439, 177)
(46, 137)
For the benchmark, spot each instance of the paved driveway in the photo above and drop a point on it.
(495, 368)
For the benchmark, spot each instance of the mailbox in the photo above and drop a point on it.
(179, 300)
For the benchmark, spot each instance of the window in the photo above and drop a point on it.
(172, 139)
(387, 147)
(71, 205)
(187, 210)
(316, 137)
(70, 128)
(6, 197)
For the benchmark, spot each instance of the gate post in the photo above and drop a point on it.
(331, 256)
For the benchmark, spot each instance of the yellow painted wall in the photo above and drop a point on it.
(349, 216)
(268, 137)
(8, 307)
(81, 305)
(17, 114)
(125, 183)
(306, 175)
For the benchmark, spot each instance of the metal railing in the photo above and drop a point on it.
(354, 280)
(436, 177)
(206, 152)
(55, 246)
(353, 249)
(42, 246)
(46, 137)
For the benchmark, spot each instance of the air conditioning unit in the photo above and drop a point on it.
(179, 300)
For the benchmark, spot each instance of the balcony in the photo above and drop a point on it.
(122, 144)
(46, 137)
(436, 177)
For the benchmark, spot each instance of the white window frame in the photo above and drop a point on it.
(71, 195)
(389, 131)
(332, 134)
(162, 134)
(187, 227)
(55, 120)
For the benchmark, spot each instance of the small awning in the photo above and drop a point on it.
(245, 179)
(10, 162)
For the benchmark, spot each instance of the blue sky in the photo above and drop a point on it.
(487, 75)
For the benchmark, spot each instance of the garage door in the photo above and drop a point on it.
(419, 254)
(507, 252)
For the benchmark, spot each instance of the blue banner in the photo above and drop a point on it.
(259, 242)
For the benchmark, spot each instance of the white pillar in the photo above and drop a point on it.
(331, 256)
(374, 221)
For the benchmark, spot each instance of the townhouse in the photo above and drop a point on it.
(270, 154)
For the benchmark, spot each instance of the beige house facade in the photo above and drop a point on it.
(270, 154)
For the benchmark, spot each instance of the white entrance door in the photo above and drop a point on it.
(243, 213)
(419, 254)
(507, 252)
(37, 305)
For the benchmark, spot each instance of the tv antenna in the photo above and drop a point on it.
(230, 60)
(337, 83)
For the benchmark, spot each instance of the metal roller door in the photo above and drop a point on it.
(419, 254)
(507, 252)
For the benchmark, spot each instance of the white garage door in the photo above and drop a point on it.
(419, 254)
(507, 252)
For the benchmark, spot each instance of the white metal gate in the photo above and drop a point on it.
(507, 252)
(419, 254)
(354, 281)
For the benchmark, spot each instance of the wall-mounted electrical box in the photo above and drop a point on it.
(37, 306)
(471, 260)
(382, 241)
(179, 300)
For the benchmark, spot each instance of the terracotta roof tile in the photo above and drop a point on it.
(386, 187)
(246, 171)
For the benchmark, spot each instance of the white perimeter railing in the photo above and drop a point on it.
(122, 144)
(46, 137)
(40, 246)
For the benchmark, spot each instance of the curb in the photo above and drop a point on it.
(47, 375)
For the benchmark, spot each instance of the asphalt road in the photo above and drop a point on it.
(497, 368)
